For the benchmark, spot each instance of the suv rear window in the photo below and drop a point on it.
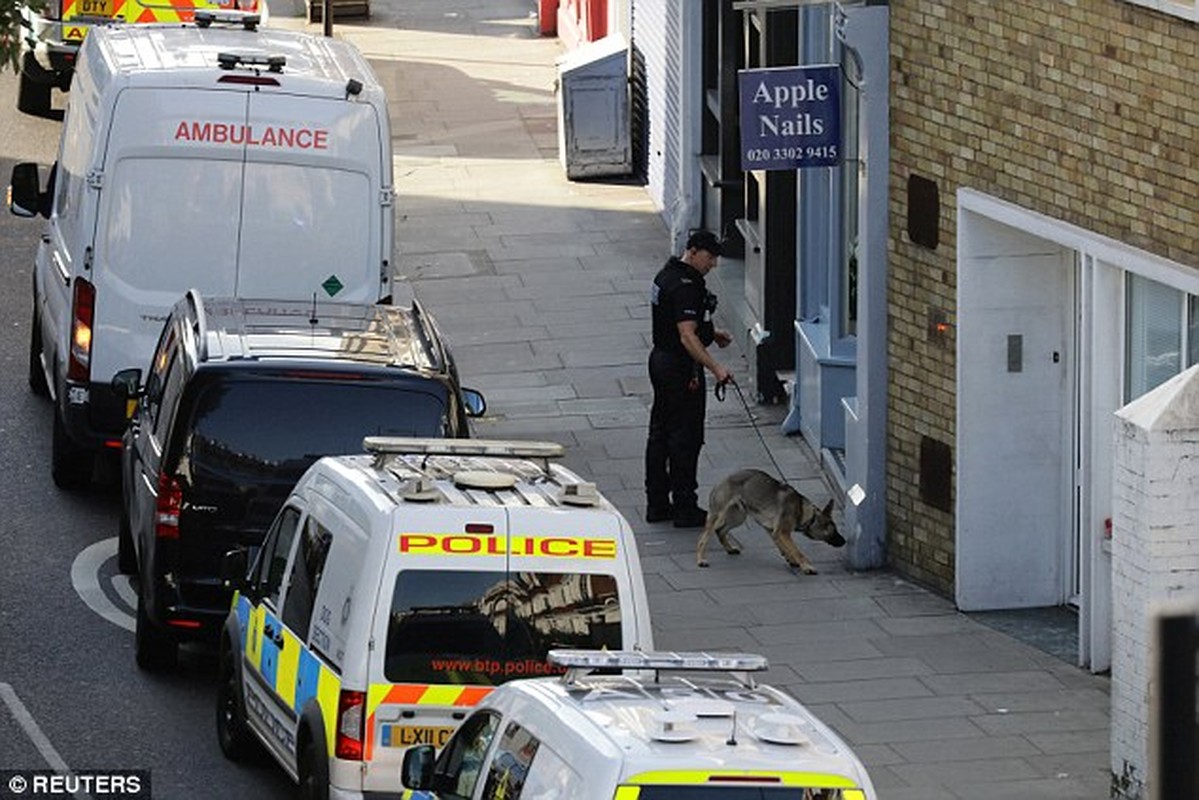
(472, 627)
(292, 422)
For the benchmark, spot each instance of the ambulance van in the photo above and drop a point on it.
(396, 590)
(652, 726)
(213, 156)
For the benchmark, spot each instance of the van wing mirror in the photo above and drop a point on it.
(234, 566)
(128, 383)
(25, 197)
(476, 405)
(417, 771)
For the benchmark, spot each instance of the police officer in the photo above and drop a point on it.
(682, 318)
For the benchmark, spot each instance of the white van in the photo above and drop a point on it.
(215, 156)
(657, 726)
(395, 591)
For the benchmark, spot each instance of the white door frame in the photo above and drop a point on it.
(1099, 325)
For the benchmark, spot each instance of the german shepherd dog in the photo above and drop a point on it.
(774, 505)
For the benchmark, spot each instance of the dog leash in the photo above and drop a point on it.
(720, 392)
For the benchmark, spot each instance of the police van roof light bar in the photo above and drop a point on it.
(397, 445)
(583, 662)
(246, 20)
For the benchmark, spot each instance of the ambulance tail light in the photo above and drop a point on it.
(166, 507)
(351, 713)
(83, 312)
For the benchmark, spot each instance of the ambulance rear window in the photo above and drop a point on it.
(487, 627)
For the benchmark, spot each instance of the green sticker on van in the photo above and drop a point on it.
(332, 285)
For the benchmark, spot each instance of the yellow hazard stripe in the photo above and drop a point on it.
(441, 695)
(254, 637)
(421, 695)
(132, 11)
(328, 690)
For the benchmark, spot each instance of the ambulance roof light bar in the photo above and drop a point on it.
(582, 662)
(232, 60)
(247, 20)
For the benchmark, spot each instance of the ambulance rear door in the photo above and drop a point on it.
(439, 629)
(315, 205)
(168, 215)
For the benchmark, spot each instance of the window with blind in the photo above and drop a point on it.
(1161, 330)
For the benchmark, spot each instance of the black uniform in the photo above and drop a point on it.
(676, 420)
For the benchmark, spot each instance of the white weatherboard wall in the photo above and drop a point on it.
(667, 37)
(1155, 554)
(657, 37)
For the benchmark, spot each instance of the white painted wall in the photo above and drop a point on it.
(1101, 341)
(1155, 553)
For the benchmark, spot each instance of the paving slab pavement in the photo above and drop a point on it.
(540, 284)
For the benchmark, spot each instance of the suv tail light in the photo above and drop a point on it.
(166, 507)
(83, 307)
(351, 712)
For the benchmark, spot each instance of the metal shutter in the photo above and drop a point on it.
(657, 92)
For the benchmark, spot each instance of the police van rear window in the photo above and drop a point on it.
(474, 627)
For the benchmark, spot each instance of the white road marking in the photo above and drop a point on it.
(85, 577)
(124, 586)
(35, 734)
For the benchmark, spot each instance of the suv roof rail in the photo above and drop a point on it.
(433, 344)
(579, 663)
(200, 328)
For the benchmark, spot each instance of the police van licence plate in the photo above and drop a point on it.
(408, 735)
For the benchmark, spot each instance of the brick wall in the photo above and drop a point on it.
(1082, 110)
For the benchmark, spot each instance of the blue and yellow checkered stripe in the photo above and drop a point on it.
(295, 673)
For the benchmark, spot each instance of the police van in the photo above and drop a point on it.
(51, 32)
(395, 590)
(653, 726)
(238, 161)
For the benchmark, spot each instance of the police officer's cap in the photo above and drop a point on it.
(704, 240)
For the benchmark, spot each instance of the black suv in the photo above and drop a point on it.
(241, 397)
